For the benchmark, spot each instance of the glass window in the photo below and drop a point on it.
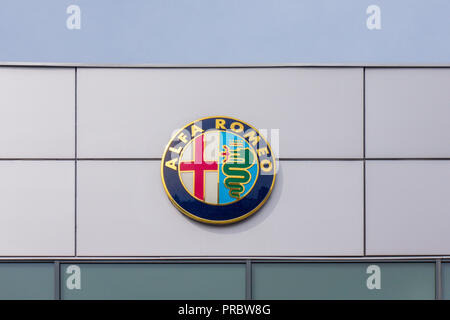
(446, 281)
(27, 281)
(152, 281)
(344, 280)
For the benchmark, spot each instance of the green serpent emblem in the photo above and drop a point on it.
(237, 161)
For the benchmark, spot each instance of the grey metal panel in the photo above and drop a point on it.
(408, 112)
(26, 281)
(316, 209)
(407, 208)
(343, 281)
(37, 112)
(133, 112)
(156, 281)
(37, 208)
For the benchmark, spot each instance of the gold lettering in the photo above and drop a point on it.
(172, 164)
(171, 149)
(220, 124)
(253, 138)
(195, 129)
(266, 165)
(262, 151)
(182, 137)
(237, 127)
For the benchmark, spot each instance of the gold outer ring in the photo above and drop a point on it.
(222, 222)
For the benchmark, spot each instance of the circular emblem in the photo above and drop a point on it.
(218, 170)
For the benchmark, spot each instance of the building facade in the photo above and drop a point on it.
(361, 203)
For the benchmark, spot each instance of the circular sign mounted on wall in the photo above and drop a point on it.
(218, 170)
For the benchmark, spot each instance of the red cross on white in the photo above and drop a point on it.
(199, 166)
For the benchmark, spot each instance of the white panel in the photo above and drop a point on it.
(211, 194)
(408, 112)
(408, 207)
(133, 112)
(37, 114)
(37, 208)
(316, 209)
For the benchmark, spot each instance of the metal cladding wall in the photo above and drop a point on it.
(364, 161)
(353, 95)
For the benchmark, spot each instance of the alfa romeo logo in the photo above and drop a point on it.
(218, 170)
